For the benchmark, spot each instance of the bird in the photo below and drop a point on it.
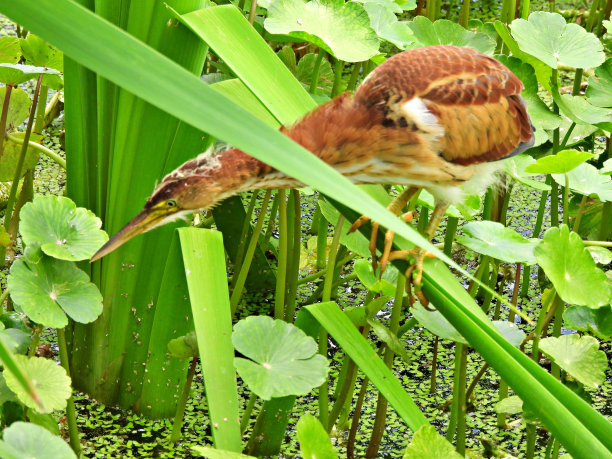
(437, 118)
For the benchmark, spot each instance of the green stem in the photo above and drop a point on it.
(41, 148)
(316, 71)
(567, 136)
(246, 415)
(318, 274)
(331, 261)
(555, 370)
(502, 394)
(4, 116)
(35, 339)
(605, 226)
(182, 402)
(40, 110)
(294, 265)
(3, 296)
(248, 257)
(566, 200)
(536, 234)
(598, 243)
(464, 16)
(252, 11)
(434, 366)
(8, 215)
(530, 442)
(554, 204)
(243, 238)
(271, 221)
(579, 214)
(322, 242)
(352, 82)
(350, 443)
(338, 67)
(75, 442)
(281, 272)
(381, 407)
(449, 235)
(472, 386)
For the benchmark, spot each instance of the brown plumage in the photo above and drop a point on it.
(432, 117)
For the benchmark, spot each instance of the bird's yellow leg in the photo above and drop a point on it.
(418, 255)
(396, 207)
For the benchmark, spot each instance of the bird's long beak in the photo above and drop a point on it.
(145, 220)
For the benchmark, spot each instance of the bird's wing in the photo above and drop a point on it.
(468, 103)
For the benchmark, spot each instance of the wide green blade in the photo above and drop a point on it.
(204, 259)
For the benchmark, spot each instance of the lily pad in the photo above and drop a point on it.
(579, 110)
(597, 321)
(184, 346)
(498, 241)
(579, 356)
(10, 51)
(305, 69)
(511, 332)
(384, 22)
(437, 324)
(48, 290)
(599, 90)
(15, 74)
(570, 267)
(284, 361)
(384, 286)
(19, 107)
(60, 229)
(445, 32)
(50, 381)
(427, 443)
(601, 255)
(509, 405)
(355, 241)
(17, 443)
(607, 167)
(586, 179)
(548, 37)
(314, 440)
(15, 339)
(342, 29)
(39, 53)
(562, 162)
(515, 168)
(12, 153)
(390, 339)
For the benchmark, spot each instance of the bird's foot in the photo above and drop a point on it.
(384, 258)
(414, 273)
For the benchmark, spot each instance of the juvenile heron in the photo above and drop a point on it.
(436, 117)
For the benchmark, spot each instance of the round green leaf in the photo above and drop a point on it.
(313, 438)
(305, 69)
(599, 90)
(515, 168)
(384, 22)
(511, 332)
(390, 339)
(547, 37)
(601, 255)
(48, 290)
(384, 286)
(597, 321)
(184, 346)
(213, 453)
(562, 162)
(342, 29)
(579, 356)
(497, 241)
(19, 107)
(429, 444)
(60, 229)
(437, 324)
(445, 32)
(586, 179)
(15, 339)
(23, 440)
(509, 405)
(15, 74)
(571, 269)
(12, 153)
(35, 50)
(578, 109)
(50, 381)
(10, 52)
(284, 359)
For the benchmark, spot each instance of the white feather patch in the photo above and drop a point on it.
(418, 112)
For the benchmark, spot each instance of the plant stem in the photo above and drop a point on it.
(336, 88)
(457, 416)
(606, 221)
(36, 146)
(331, 261)
(243, 237)
(554, 204)
(246, 415)
(464, 15)
(3, 296)
(4, 116)
(579, 214)
(248, 257)
(281, 272)
(294, 261)
(536, 233)
(316, 71)
(253, 11)
(182, 402)
(35, 339)
(472, 386)
(75, 442)
(449, 235)
(352, 82)
(350, 443)
(566, 200)
(381, 407)
(434, 366)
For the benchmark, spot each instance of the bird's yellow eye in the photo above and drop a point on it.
(171, 202)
